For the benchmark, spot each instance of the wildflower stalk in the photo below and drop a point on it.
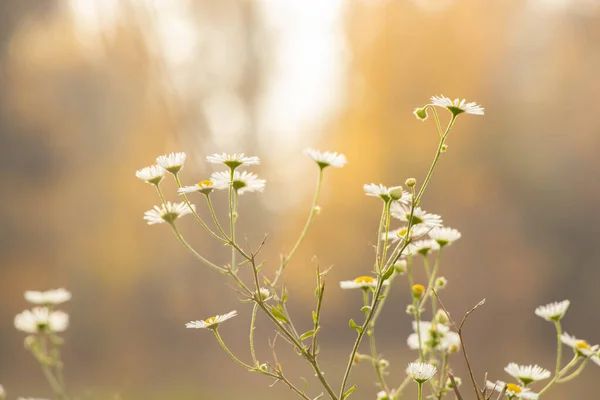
(233, 357)
(46, 364)
(575, 373)
(372, 345)
(559, 345)
(252, 327)
(194, 252)
(419, 391)
(313, 211)
(557, 376)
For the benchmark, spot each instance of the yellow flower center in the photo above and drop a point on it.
(511, 387)
(364, 279)
(582, 344)
(401, 233)
(418, 290)
(205, 182)
(210, 320)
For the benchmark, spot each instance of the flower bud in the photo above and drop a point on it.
(441, 317)
(421, 113)
(410, 182)
(401, 267)
(317, 210)
(411, 309)
(444, 148)
(440, 283)
(417, 291)
(383, 363)
(396, 192)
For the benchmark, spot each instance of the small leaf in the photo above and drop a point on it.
(279, 315)
(284, 296)
(306, 335)
(318, 291)
(314, 315)
(354, 326)
(365, 308)
(388, 273)
(348, 392)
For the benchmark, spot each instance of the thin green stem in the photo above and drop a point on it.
(575, 373)
(420, 391)
(432, 278)
(418, 323)
(311, 216)
(252, 327)
(558, 346)
(43, 358)
(237, 360)
(194, 252)
(193, 210)
(557, 376)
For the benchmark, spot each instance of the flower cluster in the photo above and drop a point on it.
(43, 318)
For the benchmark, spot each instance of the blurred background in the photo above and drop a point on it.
(90, 91)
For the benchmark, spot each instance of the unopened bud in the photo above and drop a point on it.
(410, 182)
(317, 210)
(396, 192)
(440, 283)
(411, 309)
(421, 113)
(441, 317)
(444, 148)
(383, 363)
(417, 291)
(453, 348)
(263, 367)
(401, 266)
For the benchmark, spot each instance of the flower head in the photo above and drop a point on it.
(233, 160)
(580, 347)
(152, 174)
(419, 216)
(242, 181)
(415, 232)
(424, 247)
(204, 187)
(433, 337)
(212, 322)
(444, 235)
(49, 297)
(329, 158)
(172, 162)
(420, 113)
(527, 373)
(457, 106)
(362, 282)
(394, 193)
(553, 311)
(168, 212)
(421, 372)
(41, 319)
(512, 390)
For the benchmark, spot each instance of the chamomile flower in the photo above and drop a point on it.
(242, 181)
(152, 174)
(397, 234)
(49, 297)
(527, 373)
(444, 235)
(383, 395)
(212, 322)
(424, 247)
(421, 372)
(433, 337)
(419, 216)
(168, 212)
(204, 187)
(40, 319)
(233, 160)
(457, 106)
(512, 390)
(580, 347)
(327, 158)
(172, 162)
(553, 311)
(394, 193)
(362, 282)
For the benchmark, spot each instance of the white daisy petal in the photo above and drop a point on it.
(172, 162)
(205, 187)
(168, 212)
(40, 319)
(152, 174)
(394, 193)
(527, 373)
(457, 106)
(579, 346)
(553, 311)
(233, 160)
(326, 159)
(212, 322)
(362, 282)
(49, 297)
(512, 390)
(419, 216)
(444, 235)
(421, 372)
(242, 181)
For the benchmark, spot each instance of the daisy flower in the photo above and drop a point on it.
(362, 282)
(387, 194)
(204, 187)
(553, 311)
(419, 216)
(527, 373)
(40, 319)
(233, 160)
(48, 297)
(457, 106)
(512, 390)
(172, 162)
(444, 235)
(421, 372)
(424, 247)
(242, 181)
(580, 347)
(152, 174)
(212, 322)
(398, 234)
(433, 337)
(167, 213)
(383, 395)
(329, 158)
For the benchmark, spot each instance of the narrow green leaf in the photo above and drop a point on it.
(306, 335)
(365, 308)
(348, 392)
(388, 273)
(279, 315)
(354, 326)
(314, 315)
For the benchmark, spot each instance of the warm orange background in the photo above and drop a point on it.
(81, 111)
